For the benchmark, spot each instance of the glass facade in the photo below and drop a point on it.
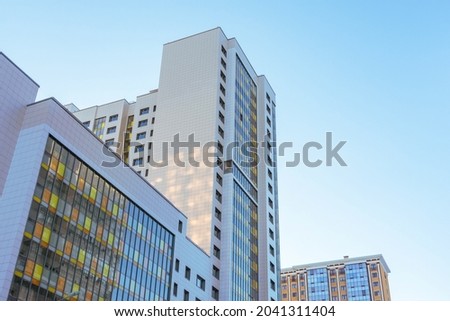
(99, 127)
(245, 210)
(357, 282)
(85, 240)
(318, 285)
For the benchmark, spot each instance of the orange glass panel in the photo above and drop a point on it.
(38, 230)
(68, 248)
(46, 196)
(75, 214)
(29, 267)
(61, 282)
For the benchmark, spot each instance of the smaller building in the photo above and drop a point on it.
(349, 279)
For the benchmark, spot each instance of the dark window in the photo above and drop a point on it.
(271, 250)
(269, 172)
(144, 111)
(216, 272)
(222, 75)
(200, 282)
(151, 133)
(113, 117)
(224, 51)
(140, 135)
(153, 120)
(272, 285)
(224, 64)
(139, 148)
(186, 296)
(215, 293)
(177, 265)
(218, 214)
(221, 102)
(86, 123)
(109, 142)
(222, 89)
(216, 252)
(221, 132)
(111, 130)
(221, 117)
(270, 218)
(268, 97)
(271, 235)
(218, 196)
(154, 108)
(217, 232)
(187, 273)
(137, 161)
(143, 123)
(175, 289)
(272, 267)
(180, 226)
(219, 179)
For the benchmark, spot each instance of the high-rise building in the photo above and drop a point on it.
(78, 223)
(206, 139)
(349, 279)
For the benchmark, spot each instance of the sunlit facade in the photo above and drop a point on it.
(208, 91)
(350, 279)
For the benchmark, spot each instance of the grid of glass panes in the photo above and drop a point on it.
(99, 127)
(85, 240)
(318, 285)
(357, 282)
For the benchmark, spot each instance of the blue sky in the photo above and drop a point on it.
(375, 73)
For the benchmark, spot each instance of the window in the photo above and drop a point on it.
(218, 214)
(186, 296)
(343, 288)
(268, 97)
(144, 111)
(187, 273)
(153, 120)
(344, 297)
(215, 293)
(86, 123)
(224, 51)
(284, 296)
(137, 161)
(218, 196)
(217, 232)
(111, 130)
(221, 132)
(222, 89)
(221, 102)
(334, 298)
(143, 123)
(376, 293)
(139, 148)
(180, 226)
(222, 75)
(223, 63)
(113, 118)
(221, 117)
(333, 280)
(140, 135)
(149, 145)
(271, 250)
(148, 159)
(376, 284)
(374, 274)
(270, 202)
(272, 285)
(151, 133)
(219, 179)
(268, 121)
(272, 267)
(294, 285)
(200, 282)
(268, 109)
(220, 147)
(216, 252)
(271, 234)
(154, 108)
(177, 265)
(109, 142)
(333, 289)
(269, 172)
(216, 272)
(270, 187)
(270, 218)
(146, 172)
(294, 294)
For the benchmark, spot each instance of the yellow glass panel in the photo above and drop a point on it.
(87, 223)
(54, 201)
(115, 209)
(93, 193)
(37, 272)
(110, 239)
(81, 256)
(46, 235)
(105, 270)
(44, 165)
(18, 274)
(61, 169)
(76, 287)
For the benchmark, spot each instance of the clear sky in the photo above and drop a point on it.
(375, 73)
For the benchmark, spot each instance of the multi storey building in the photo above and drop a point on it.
(78, 223)
(206, 140)
(350, 279)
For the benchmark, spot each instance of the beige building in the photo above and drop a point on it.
(349, 279)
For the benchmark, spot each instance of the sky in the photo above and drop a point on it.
(374, 73)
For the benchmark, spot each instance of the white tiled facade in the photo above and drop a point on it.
(25, 129)
(197, 96)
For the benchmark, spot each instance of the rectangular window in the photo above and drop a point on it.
(222, 89)
(109, 142)
(271, 250)
(149, 146)
(218, 214)
(216, 252)
(272, 267)
(151, 133)
(111, 130)
(216, 272)
(113, 118)
(175, 289)
(221, 117)
(268, 97)
(143, 123)
(272, 285)
(139, 148)
(141, 135)
(153, 120)
(222, 75)
(271, 234)
(180, 226)
(270, 187)
(218, 196)
(215, 293)
(221, 102)
(154, 108)
(270, 218)
(219, 179)
(268, 109)
(217, 232)
(220, 147)
(187, 273)
(224, 51)
(221, 132)
(200, 282)
(137, 161)
(186, 296)
(144, 111)
(374, 274)
(223, 63)
(269, 173)
(177, 265)
(86, 123)
(270, 203)
(268, 121)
